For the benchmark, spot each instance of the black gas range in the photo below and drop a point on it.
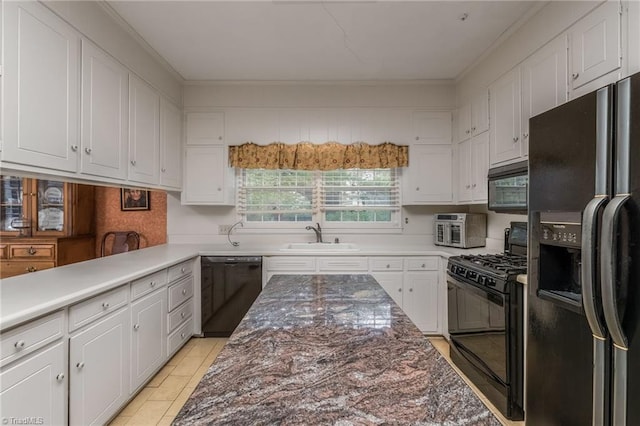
(485, 312)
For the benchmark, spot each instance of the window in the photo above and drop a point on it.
(338, 198)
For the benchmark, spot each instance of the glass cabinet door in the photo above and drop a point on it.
(50, 207)
(12, 210)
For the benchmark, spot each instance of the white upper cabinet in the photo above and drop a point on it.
(205, 128)
(105, 114)
(431, 127)
(41, 88)
(505, 140)
(544, 83)
(473, 117)
(473, 167)
(170, 145)
(428, 179)
(207, 177)
(596, 48)
(144, 132)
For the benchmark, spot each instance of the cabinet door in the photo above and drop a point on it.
(170, 145)
(595, 44)
(205, 128)
(144, 132)
(36, 388)
(428, 179)
(465, 173)
(41, 98)
(480, 113)
(99, 370)
(105, 114)
(14, 204)
(544, 83)
(505, 140)
(464, 122)
(432, 127)
(421, 299)
(149, 334)
(205, 170)
(480, 166)
(391, 282)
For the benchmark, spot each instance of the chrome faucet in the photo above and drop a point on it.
(317, 230)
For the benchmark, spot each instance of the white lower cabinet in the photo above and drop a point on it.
(179, 309)
(148, 336)
(391, 282)
(99, 363)
(421, 300)
(36, 387)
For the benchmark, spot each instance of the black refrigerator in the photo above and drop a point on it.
(583, 337)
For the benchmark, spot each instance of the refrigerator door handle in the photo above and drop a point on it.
(588, 267)
(608, 268)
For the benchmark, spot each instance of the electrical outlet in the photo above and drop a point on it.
(223, 229)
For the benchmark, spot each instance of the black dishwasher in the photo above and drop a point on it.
(229, 286)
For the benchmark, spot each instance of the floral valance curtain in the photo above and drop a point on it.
(328, 156)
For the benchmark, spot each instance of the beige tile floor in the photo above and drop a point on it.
(160, 401)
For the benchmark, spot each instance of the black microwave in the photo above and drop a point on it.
(509, 187)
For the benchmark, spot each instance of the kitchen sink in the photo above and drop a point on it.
(320, 247)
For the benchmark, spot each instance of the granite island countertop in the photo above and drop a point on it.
(330, 349)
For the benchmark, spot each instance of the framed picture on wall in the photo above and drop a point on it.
(134, 199)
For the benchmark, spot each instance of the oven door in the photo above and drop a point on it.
(477, 328)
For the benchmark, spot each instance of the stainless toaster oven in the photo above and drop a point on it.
(462, 230)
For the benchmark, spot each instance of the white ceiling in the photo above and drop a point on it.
(320, 40)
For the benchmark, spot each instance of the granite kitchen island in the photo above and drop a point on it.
(330, 349)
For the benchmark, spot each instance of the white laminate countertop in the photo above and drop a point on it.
(26, 297)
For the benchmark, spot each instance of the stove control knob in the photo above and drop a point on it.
(482, 280)
(491, 282)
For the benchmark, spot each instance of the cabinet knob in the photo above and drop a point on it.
(219, 189)
(575, 75)
(133, 162)
(74, 148)
(417, 138)
(467, 131)
(388, 266)
(19, 344)
(182, 335)
(32, 251)
(163, 170)
(152, 283)
(516, 139)
(399, 290)
(219, 138)
(184, 291)
(87, 150)
(80, 365)
(423, 265)
(183, 269)
(60, 377)
(105, 305)
(410, 290)
(473, 129)
(468, 186)
(473, 186)
(31, 269)
(526, 135)
(136, 326)
(182, 314)
(417, 188)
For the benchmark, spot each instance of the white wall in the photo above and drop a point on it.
(99, 26)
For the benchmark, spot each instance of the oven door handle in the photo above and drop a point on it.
(486, 293)
(473, 358)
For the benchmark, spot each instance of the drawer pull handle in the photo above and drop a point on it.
(60, 377)
(183, 269)
(182, 335)
(136, 326)
(182, 315)
(184, 291)
(32, 251)
(105, 305)
(80, 365)
(19, 344)
(31, 269)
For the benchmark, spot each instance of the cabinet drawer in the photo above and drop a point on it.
(340, 264)
(179, 337)
(18, 267)
(4, 251)
(385, 263)
(90, 310)
(147, 284)
(180, 315)
(179, 292)
(422, 263)
(32, 251)
(181, 270)
(29, 337)
(292, 263)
